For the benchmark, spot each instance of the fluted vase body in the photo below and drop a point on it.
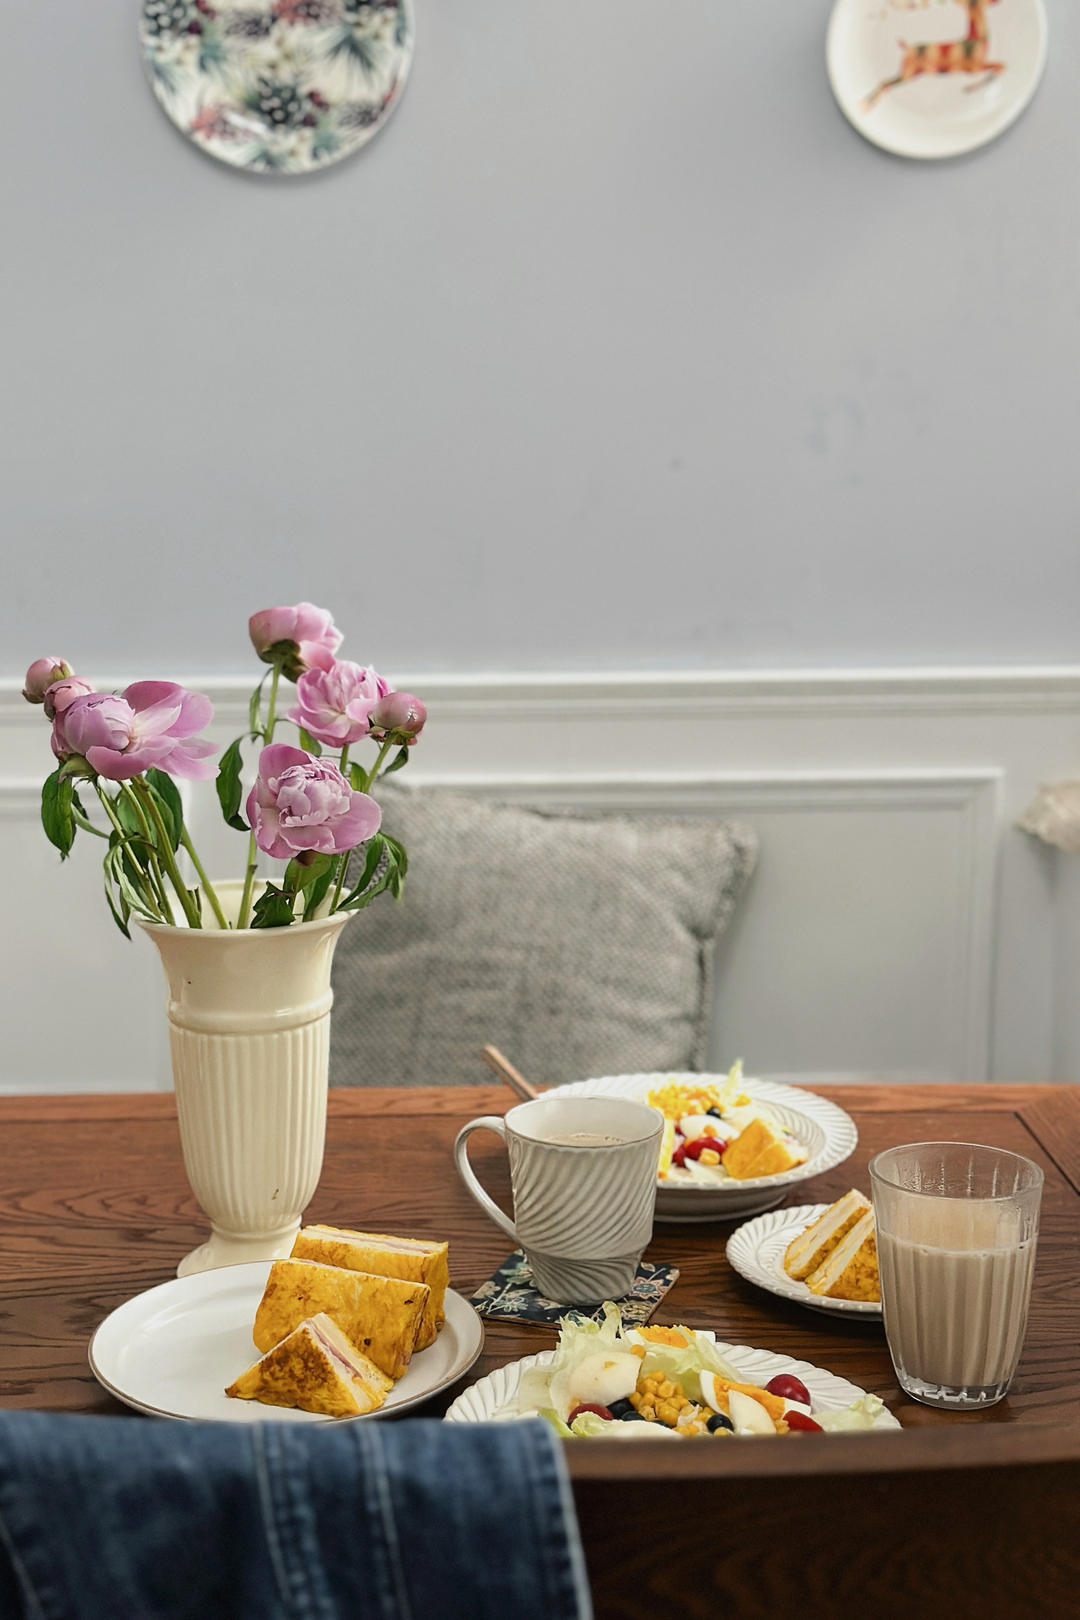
(249, 1033)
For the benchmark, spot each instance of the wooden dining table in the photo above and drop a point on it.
(980, 1511)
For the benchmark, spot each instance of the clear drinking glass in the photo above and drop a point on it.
(957, 1226)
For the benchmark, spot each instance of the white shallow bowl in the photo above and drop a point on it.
(487, 1400)
(825, 1129)
(756, 1252)
(171, 1350)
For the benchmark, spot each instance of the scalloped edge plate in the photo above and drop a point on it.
(833, 1130)
(486, 1400)
(756, 1252)
(171, 1350)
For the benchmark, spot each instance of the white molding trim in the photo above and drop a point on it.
(851, 691)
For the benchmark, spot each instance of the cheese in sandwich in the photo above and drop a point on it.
(316, 1369)
(761, 1150)
(813, 1246)
(851, 1270)
(380, 1316)
(411, 1259)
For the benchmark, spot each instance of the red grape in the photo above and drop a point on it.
(789, 1388)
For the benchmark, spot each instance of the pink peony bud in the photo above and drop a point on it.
(63, 693)
(41, 675)
(298, 638)
(398, 717)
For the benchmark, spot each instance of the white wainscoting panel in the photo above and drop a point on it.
(897, 924)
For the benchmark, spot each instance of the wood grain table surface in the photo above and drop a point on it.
(95, 1207)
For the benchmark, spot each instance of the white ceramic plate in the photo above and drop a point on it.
(172, 1350)
(756, 1252)
(489, 1397)
(826, 1130)
(966, 70)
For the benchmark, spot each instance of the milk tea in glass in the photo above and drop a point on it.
(957, 1226)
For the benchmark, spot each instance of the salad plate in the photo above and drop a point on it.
(281, 88)
(935, 79)
(828, 1134)
(171, 1351)
(493, 1398)
(756, 1252)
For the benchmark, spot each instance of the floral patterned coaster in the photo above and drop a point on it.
(509, 1296)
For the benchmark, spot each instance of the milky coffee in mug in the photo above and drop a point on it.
(583, 1177)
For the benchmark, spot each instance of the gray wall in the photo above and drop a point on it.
(618, 348)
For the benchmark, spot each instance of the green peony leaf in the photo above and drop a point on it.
(56, 817)
(400, 758)
(308, 741)
(167, 797)
(230, 790)
(273, 909)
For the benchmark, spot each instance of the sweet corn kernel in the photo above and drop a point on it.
(708, 1156)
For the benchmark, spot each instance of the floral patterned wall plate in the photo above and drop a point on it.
(278, 88)
(934, 78)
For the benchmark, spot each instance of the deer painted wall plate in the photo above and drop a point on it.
(934, 78)
(282, 86)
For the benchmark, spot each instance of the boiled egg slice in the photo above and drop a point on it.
(748, 1415)
(596, 1380)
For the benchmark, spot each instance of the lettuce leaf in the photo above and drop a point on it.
(861, 1414)
(591, 1426)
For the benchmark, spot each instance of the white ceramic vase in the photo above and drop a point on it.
(249, 1031)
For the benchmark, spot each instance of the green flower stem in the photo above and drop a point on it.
(253, 853)
(86, 824)
(191, 911)
(207, 886)
(383, 751)
(271, 717)
(155, 869)
(158, 902)
(368, 780)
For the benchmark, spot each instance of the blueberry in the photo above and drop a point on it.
(621, 1409)
(632, 1417)
(715, 1112)
(720, 1421)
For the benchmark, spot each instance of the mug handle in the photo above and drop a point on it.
(489, 1122)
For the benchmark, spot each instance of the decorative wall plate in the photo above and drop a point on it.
(278, 88)
(934, 78)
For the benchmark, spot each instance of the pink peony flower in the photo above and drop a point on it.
(399, 716)
(41, 675)
(299, 803)
(62, 694)
(299, 638)
(151, 723)
(334, 703)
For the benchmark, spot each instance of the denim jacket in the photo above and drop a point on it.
(130, 1519)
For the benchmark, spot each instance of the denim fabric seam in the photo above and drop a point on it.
(392, 1587)
(22, 1575)
(556, 1527)
(266, 1497)
(579, 1574)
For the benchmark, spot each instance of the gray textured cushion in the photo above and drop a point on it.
(578, 943)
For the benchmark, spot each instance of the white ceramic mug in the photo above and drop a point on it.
(583, 1175)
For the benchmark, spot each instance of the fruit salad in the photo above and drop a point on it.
(666, 1383)
(719, 1133)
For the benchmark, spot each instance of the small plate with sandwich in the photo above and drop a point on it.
(820, 1255)
(350, 1324)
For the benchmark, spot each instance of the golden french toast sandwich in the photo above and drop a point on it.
(812, 1247)
(410, 1259)
(316, 1369)
(380, 1316)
